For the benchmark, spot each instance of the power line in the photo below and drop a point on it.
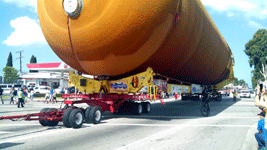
(20, 60)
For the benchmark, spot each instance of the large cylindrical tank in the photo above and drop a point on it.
(176, 38)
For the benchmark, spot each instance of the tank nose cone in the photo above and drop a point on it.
(72, 7)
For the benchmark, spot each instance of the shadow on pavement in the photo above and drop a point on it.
(6, 145)
(178, 110)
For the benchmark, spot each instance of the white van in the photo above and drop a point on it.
(7, 88)
(41, 89)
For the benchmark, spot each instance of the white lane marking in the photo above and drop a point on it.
(246, 103)
(147, 125)
(169, 125)
(179, 117)
(159, 134)
(19, 125)
(25, 137)
(3, 132)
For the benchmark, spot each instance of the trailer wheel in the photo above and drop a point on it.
(87, 115)
(95, 115)
(44, 122)
(52, 123)
(138, 108)
(65, 118)
(146, 107)
(76, 118)
(66, 106)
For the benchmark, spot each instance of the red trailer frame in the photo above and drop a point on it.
(98, 103)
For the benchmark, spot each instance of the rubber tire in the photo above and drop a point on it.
(92, 115)
(44, 122)
(146, 107)
(205, 110)
(65, 118)
(87, 115)
(72, 118)
(52, 123)
(137, 107)
(66, 107)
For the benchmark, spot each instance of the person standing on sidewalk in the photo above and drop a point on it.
(21, 98)
(54, 97)
(11, 96)
(15, 98)
(47, 95)
(25, 94)
(260, 136)
(1, 94)
(31, 93)
(51, 94)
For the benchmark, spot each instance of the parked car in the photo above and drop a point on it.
(17, 86)
(224, 92)
(31, 86)
(245, 93)
(41, 89)
(6, 88)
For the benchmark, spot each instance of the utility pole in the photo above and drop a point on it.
(20, 71)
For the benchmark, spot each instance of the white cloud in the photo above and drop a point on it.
(230, 14)
(24, 3)
(230, 4)
(251, 8)
(27, 31)
(256, 25)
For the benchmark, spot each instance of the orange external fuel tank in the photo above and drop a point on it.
(176, 38)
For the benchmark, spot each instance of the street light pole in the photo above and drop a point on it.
(20, 61)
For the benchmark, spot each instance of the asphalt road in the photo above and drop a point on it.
(176, 125)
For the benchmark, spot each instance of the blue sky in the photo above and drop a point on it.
(237, 21)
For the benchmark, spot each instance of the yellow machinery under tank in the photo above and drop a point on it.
(119, 38)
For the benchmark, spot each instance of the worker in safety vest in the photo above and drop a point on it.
(21, 98)
(235, 93)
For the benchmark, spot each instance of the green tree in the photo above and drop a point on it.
(10, 74)
(256, 49)
(236, 82)
(242, 83)
(257, 76)
(33, 60)
(9, 60)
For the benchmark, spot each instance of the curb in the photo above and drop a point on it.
(250, 141)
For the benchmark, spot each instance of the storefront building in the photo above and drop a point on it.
(55, 75)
